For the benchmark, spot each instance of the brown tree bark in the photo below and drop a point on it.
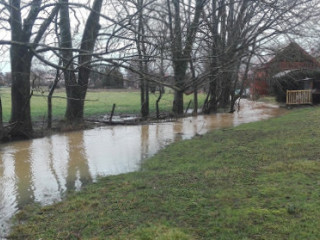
(21, 57)
(143, 62)
(53, 87)
(20, 73)
(195, 89)
(181, 50)
(76, 86)
(20, 92)
(1, 123)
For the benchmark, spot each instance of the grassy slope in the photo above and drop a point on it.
(100, 102)
(256, 181)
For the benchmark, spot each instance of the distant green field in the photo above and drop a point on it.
(98, 102)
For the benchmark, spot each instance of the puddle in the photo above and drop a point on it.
(43, 170)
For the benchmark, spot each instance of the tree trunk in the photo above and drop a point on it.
(181, 50)
(195, 101)
(143, 64)
(195, 89)
(20, 58)
(145, 99)
(226, 88)
(178, 103)
(1, 124)
(212, 99)
(76, 89)
(20, 92)
(49, 123)
(157, 103)
(144, 91)
(75, 103)
(180, 68)
(53, 87)
(210, 105)
(69, 74)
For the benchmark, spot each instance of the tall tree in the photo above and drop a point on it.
(232, 31)
(1, 125)
(143, 61)
(22, 51)
(182, 38)
(76, 85)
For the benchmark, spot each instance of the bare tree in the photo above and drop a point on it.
(27, 31)
(182, 37)
(142, 56)
(1, 124)
(76, 85)
(233, 30)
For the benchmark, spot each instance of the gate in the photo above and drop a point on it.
(299, 97)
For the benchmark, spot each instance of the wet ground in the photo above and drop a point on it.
(43, 170)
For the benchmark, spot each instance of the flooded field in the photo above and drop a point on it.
(44, 170)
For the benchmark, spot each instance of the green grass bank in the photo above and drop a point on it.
(98, 102)
(256, 181)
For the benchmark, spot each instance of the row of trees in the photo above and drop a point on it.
(194, 42)
(107, 77)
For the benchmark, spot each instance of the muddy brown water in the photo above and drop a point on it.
(44, 170)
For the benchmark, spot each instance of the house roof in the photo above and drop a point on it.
(283, 73)
(293, 53)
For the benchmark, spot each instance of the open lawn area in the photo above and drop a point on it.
(98, 102)
(256, 181)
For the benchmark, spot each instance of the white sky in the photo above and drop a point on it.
(82, 14)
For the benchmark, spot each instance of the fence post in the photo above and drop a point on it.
(112, 112)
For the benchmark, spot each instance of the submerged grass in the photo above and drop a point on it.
(98, 102)
(256, 181)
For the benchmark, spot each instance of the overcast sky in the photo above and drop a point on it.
(82, 15)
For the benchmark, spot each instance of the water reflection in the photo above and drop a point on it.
(43, 170)
(23, 172)
(144, 141)
(44, 181)
(112, 150)
(177, 130)
(8, 188)
(78, 171)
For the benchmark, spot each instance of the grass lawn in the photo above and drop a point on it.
(99, 102)
(256, 181)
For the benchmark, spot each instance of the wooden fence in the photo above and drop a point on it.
(299, 97)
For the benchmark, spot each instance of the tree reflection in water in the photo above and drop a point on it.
(78, 170)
